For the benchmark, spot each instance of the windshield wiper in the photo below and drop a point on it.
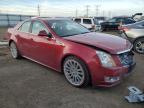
(69, 35)
(84, 32)
(74, 34)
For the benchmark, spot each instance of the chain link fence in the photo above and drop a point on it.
(10, 20)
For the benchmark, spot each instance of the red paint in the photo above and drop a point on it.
(51, 52)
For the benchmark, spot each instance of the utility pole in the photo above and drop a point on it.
(97, 10)
(110, 14)
(103, 13)
(76, 13)
(38, 9)
(87, 10)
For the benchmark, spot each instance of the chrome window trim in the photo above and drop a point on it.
(30, 33)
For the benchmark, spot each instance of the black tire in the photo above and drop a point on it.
(12, 47)
(136, 44)
(86, 80)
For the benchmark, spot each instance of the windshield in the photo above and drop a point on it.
(65, 28)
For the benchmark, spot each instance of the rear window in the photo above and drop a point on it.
(25, 27)
(78, 20)
(87, 21)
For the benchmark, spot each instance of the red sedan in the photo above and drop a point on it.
(65, 46)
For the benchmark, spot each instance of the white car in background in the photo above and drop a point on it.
(89, 23)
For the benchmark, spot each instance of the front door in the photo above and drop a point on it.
(24, 39)
(44, 48)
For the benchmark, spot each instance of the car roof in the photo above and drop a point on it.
(50, 18)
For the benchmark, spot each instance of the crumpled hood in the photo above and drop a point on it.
(110, 43)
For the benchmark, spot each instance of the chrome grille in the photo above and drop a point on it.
(126, 58)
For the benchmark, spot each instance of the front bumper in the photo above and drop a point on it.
(118, 73)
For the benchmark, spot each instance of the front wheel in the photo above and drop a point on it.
(14, 51)
(139, 45)
(76, 72)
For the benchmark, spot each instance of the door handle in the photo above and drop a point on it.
(60, 43)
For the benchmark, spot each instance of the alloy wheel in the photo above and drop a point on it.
(13, 50)
(74, 72)
(139, 46)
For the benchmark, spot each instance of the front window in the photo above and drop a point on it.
(37, 27)
(25, 27)
(65, 28)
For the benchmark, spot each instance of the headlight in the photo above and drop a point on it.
(106, 59)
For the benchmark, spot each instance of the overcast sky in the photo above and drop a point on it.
(68, 7)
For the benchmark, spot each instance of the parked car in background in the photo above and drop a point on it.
(66, 46)
(100, 19)
(89, 23)
(115, 22)
(134, 33)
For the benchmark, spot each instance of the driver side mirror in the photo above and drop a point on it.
(43, 33)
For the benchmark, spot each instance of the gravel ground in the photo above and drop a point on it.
(25, 84)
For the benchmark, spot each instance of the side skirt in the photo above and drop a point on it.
(40, 63)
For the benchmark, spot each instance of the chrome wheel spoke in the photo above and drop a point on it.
(13, 50)
(140, 47)
(74, 72)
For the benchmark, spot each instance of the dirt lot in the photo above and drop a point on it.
(25, 84)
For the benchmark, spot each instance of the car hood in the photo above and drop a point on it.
(110, 43)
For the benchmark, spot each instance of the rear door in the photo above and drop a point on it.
(24, 39)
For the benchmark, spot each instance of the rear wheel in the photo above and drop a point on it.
(139, 45)
(76, 72)
(14, 51)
